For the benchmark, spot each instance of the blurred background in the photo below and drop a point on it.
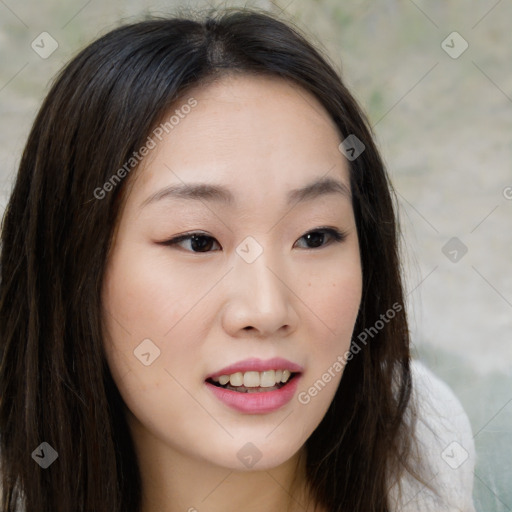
(435, 79)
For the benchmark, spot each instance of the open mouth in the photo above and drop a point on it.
(249, 391)
(254, 388)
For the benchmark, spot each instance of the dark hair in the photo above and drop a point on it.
(55, 384)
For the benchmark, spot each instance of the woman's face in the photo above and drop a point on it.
(254, 296)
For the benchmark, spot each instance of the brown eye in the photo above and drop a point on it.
(317, 237)
(198, 242)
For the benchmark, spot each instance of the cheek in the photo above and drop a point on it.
(140, 295)
(146, 307)
(334, 303)
(334, 298)
(151, 327)
(145, 297)
(338, 302)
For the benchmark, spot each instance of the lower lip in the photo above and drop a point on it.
(256, 403)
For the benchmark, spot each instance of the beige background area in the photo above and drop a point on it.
(444, 126)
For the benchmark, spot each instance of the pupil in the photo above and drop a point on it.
(200, 246)
(317, 237)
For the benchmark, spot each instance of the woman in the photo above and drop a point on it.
(201, 301)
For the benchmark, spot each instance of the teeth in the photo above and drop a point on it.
(251, 380)
(224, 379)
(266, 379)
(237, 379)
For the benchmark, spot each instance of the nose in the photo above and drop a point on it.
(259, 299)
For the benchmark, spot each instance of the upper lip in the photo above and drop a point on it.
(258, 365)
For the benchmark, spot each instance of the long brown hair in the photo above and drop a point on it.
(55, 385)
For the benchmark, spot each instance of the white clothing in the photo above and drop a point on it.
(445, 443)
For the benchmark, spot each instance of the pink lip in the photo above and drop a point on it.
(256, 403)
(258, 365)
(263, 401)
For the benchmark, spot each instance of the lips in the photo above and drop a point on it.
(254, 386)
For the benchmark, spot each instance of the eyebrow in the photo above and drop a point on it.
(220, 193)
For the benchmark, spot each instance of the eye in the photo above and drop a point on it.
(317, 237)
(199, 242)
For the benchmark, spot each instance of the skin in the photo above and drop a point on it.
(261, 137)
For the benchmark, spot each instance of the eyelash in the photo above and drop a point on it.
(336, 237)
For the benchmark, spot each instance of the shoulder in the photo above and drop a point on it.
(444, 449)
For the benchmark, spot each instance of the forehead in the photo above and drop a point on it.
(252, 133)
